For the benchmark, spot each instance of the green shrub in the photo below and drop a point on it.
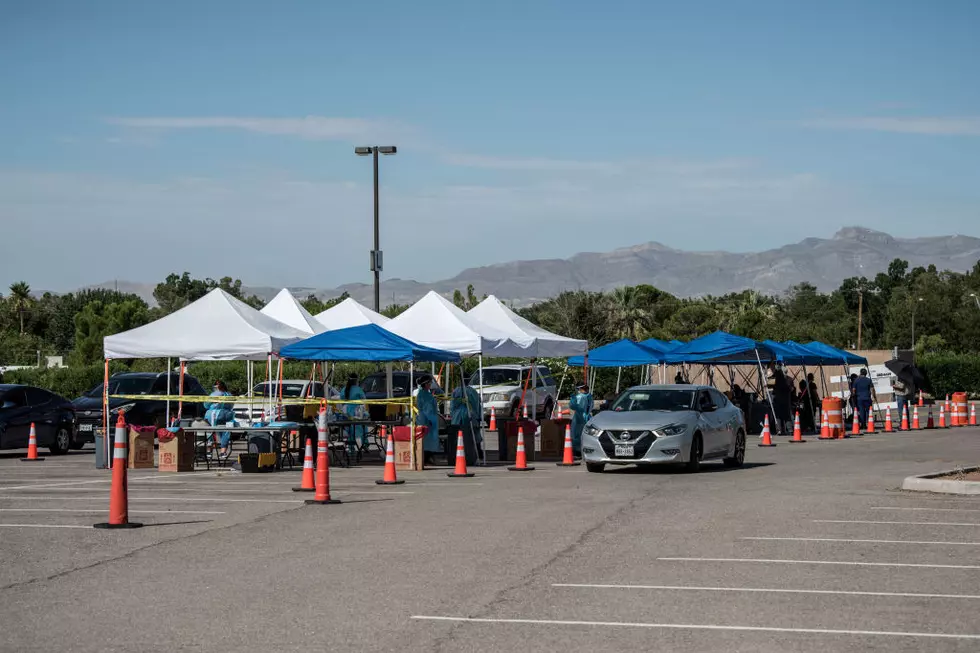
(948, 373)
(69, 382)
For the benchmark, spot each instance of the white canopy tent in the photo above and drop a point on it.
(285, 308)
(215, 327)
(544, 344)
(349, 313)
(436, 322)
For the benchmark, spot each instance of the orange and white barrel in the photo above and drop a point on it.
(960, 416)
(833, 408)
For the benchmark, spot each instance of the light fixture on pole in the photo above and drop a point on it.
(376, 258)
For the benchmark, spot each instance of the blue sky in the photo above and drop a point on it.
(217, 136)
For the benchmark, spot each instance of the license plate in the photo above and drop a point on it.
(85, 427)
(624, 450)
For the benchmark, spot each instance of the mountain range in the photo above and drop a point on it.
(824, 262)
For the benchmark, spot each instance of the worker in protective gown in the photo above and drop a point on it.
(428, 415)
(466, 412)
(581, 406)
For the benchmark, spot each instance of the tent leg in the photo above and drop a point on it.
(167, 419)
(619, 376)
(105, 416)
(480, 365)
(411, 412)
(762, 374)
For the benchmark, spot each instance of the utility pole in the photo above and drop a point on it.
(860, 314)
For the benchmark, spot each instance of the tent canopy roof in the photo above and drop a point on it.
(833, 355)
(349, 313)
(285, 308)
(493, 312)
(622, 353)
(367, 342)
(720, 347)
(660, 345)
(436, 322)
(215, 327)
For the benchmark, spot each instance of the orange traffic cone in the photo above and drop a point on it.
(825, 427)
(871, 421)
(521, 465)
(524, 414)
(949, 409)
(119, 494)
(797, 433)
(556, 412)
(920, 399)
(31, 448)
(942, 416)
(493, 419)
(888, 420)
(460, 470)
(855, 424)
(929, 423)
(973, 414)
(905, 419)
(322, 477)
(568, 456)
(390, 477)
(915, 419)
(308, 484)
(766, 436)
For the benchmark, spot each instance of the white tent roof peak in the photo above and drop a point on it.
(215, 327)
(544, 343)
(287, 309)
(434, 321)
(349, 313)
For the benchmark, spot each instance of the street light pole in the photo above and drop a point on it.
(376, 258)
(860, 311)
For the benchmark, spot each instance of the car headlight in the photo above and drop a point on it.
(591, 430)
(125, 408)
(671, 429)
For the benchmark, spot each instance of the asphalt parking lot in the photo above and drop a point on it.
(808, 547)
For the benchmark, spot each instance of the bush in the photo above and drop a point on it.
(69, 382)
(948, 373)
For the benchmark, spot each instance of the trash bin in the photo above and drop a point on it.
(101, 456)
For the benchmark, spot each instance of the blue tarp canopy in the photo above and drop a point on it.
(659, 345)
(364, 343)
(622, 353)
(833, 355)
(721, 347)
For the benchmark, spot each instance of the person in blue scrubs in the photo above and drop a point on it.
(581, 406)
(466, 412)
(428, 415)
(355, 435)
(220, 413)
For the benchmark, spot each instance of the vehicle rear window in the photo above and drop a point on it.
(130, 386)
(36, 396)
(655, 399)
(288, 389)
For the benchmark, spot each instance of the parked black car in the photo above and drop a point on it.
(151, 412)
(375, 387)
(52, 415)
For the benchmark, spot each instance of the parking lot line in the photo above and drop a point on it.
(898, 523)
(844, 540)
(132, 512)
(759, 629)
(29, 497)
(43, 526)
(822, 562)
(50, 485)
(926, 509)
(761, 590)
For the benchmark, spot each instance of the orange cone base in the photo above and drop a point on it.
(568, 464)
(325, 502)
(304, 489)
(126, 525)
(455, 475)
(398, 482)
(520, 469)
(767, 445)
(30, 460)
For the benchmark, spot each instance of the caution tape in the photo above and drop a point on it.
(285, 401)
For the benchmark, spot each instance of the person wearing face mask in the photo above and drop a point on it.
(428, 415)
(220, 413)
(581, 406)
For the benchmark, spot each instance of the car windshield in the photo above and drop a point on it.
(654, 399)
(134, 385)
(497, 377)
(376, 384)
(288, 389)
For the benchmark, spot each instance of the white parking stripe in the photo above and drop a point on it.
(43, 526)
(894, 523)
(759, 629)
(767, 590)
(834, 539)
(926, 509)
(822, 562)
(132, 512)
(66, 484)
(95, 498)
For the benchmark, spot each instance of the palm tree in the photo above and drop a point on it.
(20, 297)
(629, 317)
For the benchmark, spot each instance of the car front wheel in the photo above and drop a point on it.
(694, 460)
(62, 442)
(595, 468)
(738, 456)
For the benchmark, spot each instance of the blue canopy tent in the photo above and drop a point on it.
(660, 345)
(622, 353)
(835, 355)
(368, 342)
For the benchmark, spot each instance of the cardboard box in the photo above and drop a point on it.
(176, 451)
(403, 449)
(141, 447)
(553, 438)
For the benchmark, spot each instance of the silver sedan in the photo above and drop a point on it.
(666, 424)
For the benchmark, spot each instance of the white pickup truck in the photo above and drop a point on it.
(501, 387)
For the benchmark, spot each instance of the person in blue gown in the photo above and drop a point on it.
(220, 413)
(428, 415)
(466, 412)
(355, 434)
(581, 406)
